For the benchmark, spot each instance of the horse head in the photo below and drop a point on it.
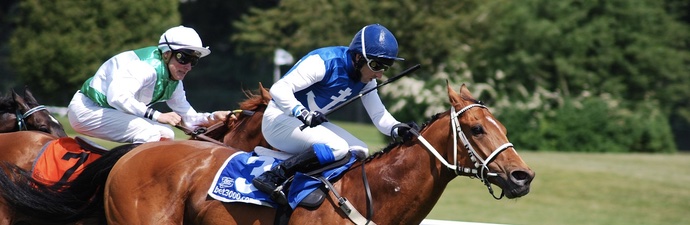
(477, 146)
(29, 115)
(245, 132)
(485, 150)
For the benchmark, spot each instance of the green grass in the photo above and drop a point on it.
(570, 188)
(582, 188)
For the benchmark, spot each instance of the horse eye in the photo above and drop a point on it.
(44, 128)
(477, 130)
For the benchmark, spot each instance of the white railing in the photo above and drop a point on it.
(446, 222)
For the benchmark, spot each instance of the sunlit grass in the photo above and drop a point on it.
(582, 188)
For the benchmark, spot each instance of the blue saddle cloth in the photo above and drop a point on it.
(233, 181)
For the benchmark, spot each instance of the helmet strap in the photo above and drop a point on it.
(359, 63)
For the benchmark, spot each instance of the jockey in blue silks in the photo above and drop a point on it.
(320, 81)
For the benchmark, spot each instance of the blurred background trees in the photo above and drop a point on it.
(571, 75)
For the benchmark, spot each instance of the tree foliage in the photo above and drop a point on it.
(629, 49)
(428, 32)
(550, 70)
(58, 44)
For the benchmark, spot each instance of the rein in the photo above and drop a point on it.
(200, 132)
(22, 117)
(481, 169)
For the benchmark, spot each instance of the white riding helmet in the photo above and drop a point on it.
(182, 37)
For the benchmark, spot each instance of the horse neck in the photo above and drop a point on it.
(8, 122)
(246, 134)
(408, 173)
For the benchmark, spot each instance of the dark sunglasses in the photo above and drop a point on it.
(181, 56)
(184, 58)
(376, 66)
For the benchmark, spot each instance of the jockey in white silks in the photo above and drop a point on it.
(320, 81)
(115, 104)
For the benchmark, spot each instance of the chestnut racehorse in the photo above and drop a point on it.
(25, 146)
(166, 182)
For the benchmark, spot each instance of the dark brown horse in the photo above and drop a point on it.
(25, 113)
(167, 182)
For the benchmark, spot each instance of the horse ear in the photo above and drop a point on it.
(29, 97)
(452, 96)
(264, 93)
(21, 103)
(465, 93)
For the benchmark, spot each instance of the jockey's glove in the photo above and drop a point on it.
(311, 119)
(403, 130)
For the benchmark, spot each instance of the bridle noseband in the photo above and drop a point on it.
(21, 118)
(481, 170)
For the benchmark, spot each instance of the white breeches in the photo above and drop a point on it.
(88, 118)
(282, 132)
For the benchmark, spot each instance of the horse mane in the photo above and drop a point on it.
(392, 145)
(433, 118)
(7, 103)
(253, 101)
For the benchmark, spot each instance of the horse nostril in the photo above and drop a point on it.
(521, 177)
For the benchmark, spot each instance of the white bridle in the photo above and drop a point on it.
(21, 117)
(481, 169)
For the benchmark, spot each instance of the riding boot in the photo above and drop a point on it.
(271, 181)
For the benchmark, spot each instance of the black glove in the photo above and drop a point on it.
(404, 130)
(311, 119)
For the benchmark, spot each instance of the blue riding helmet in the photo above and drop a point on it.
(378, 42)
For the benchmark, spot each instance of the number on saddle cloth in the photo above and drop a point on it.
(61, 161)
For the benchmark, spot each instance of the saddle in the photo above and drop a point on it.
(63, 159)
(90, 145)
(315, 198)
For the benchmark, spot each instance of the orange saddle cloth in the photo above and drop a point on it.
(61, 161)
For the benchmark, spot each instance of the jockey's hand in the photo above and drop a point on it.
(171, 118)
(223, 115)
(403, 130)
(311, 119)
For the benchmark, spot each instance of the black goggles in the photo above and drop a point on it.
(184, 58)
(377, 66)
